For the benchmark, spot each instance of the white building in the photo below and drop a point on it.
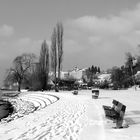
(73, 74)
(77, 73)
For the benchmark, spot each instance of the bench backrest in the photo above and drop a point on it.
(118, 106)
(95, 91)
(114, 102)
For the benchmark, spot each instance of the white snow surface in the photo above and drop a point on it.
(74, 117)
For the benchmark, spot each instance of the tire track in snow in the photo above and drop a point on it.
(40, 100)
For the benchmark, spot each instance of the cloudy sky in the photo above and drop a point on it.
(96, 32)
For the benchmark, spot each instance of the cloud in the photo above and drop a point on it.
(105, 39)
(71, 46)
(6, 30)
(10, 49)
(28, 45)
(94, 39)
(124, 23)
(103, 26)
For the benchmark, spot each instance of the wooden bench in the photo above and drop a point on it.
(75, 92)
(95, 93)
(115, 113)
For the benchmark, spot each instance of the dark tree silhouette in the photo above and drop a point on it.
(44, 65)
(129, 65)
(98, 70)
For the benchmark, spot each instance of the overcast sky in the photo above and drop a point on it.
(96, 32)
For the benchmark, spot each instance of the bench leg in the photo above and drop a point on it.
(119, 123)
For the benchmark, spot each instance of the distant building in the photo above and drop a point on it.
(77, 73)
(64, 75)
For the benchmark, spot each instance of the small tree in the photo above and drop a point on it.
(121, 78)
(21, 66)
(98, 70)
(129, 65)
(116, 77)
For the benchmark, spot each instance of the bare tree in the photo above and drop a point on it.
(44, 65)
(59, 27)
(21, 66)
(54, 54)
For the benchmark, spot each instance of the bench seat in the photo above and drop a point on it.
(107, 107)
(75, 92)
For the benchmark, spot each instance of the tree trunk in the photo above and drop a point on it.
(59, 70)
(19, 86)
(55, 78)
(59, 64)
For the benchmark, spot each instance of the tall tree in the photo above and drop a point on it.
(44, 65)
(21, 66)
(59, 28)
(54, 54)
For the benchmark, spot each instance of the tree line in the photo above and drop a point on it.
(124, 76)
(94, 69)
(34, 74)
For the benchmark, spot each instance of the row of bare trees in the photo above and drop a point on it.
(26, 70)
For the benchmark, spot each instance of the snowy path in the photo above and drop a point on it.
(60, 120)
(93, 122)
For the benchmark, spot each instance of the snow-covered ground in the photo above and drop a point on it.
(74, 117)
